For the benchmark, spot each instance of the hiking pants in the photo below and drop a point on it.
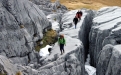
(75, 24)
(62, 47)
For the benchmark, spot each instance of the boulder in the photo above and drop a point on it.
(109, 60)
(6, 66)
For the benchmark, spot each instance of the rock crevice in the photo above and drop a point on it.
(85, 30)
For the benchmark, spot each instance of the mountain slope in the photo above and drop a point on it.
(90, 4)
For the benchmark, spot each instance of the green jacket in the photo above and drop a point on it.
(61, 41)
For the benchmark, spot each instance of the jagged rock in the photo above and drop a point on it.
(26, 70)
(55, 19)
(41, 2)
(22, 23)
(57, 7)
(33, 19)
(11, 36)
(6, 66)
(109, 60)
(43, 5)
(29, 58)
(49, 8)
(70, 63)
(20, 60)
(105, 30)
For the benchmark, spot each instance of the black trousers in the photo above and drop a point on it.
(75, 24)
(62, 47)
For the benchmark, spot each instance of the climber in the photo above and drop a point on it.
(61, 42)
(79, 15)
(75, 20)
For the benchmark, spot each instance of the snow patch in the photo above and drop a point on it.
(44, 51)
(90, 70)
(88, 60)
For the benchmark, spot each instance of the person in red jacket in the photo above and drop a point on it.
(79, 15)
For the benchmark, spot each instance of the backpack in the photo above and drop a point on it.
(62, 39)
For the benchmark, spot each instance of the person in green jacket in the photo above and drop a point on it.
(61, 42)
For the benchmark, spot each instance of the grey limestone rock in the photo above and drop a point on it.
(69, 64)
(6, 66)
(109, 60)
(20, 60)
(41, 2)
(105, 30)
(49, 7)
(22, 23)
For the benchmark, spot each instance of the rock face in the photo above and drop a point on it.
(6, 67)
(105, 30)
(109, 60)
(21, 21)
